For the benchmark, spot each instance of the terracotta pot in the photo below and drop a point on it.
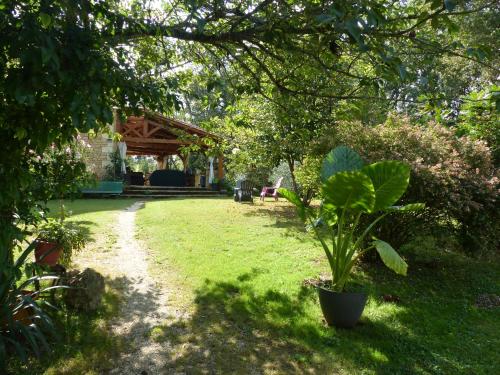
(47, 253)
(25, 315)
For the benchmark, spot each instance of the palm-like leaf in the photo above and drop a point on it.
(351, 190)
(390, 180)
(340, 159)
(390, 257)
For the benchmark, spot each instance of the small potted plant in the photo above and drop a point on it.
(350, 190)
(57, 240)
(215, 184)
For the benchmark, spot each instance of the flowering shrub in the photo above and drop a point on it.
(454, 176)
(60, 171)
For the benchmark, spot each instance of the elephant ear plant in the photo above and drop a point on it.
(351, 189)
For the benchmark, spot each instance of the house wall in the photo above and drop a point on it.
(97, 156)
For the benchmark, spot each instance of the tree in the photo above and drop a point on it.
(65, 64)
(479, 118)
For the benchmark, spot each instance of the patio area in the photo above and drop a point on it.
(161, 137)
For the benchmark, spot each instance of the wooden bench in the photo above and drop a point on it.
(104, 187)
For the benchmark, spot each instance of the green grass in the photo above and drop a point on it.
(85, 344)
(239, 270)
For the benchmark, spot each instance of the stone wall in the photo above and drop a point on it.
(97, 156)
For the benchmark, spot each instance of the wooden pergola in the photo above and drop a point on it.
(155, 135)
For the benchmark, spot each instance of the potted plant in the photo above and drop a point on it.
(349, 190)
(215, 184)
(57, 240)
(24, 324)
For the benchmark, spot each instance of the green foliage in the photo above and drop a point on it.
(351, 191)
(479, 119)
(144, 164)
(390, 257)
(24, 324)
(62, 72)
(198, 161)
(69, 236)
(454, 176)
(340, 159)
(66, 64)
(390, 180)
(114, 168)
(60, 172)
(269, 138)
(307, 175)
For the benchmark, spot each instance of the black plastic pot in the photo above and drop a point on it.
(341, 310)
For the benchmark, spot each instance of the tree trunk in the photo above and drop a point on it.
(291, 167)
(7, 240)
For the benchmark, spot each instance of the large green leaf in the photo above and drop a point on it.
(340, 159)
(328, 214)
(390, 257)
(294, 199)
(390, 179)
(353, 190)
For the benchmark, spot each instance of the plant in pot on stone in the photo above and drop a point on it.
(57, 240)
(349, 190)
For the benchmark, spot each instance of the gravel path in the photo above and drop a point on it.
(144, 304)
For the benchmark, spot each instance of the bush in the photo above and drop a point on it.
(454, 176)
(308, 177)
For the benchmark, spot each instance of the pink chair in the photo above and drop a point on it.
(268, 191)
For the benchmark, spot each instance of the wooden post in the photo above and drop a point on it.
(220, 169)
(160, 162)
(185, 161)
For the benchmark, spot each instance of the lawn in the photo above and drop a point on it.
(236, 273)
(239, 269)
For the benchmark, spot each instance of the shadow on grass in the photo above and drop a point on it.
(84, 226)
(236, 329)
(86, 343)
